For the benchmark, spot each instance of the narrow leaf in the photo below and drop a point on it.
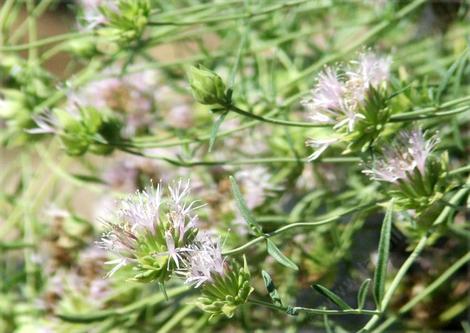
(332, 296)
(279, 256)
(362, 294)
(215, 129)
(244, 211)
(89, 179)
(271, 288)
(383, 253)
(450, 72)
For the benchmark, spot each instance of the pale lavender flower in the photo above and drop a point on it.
(409, 152)
(142, 210)
(320, 145)
(141, 214)
(205, 259)
(337, 99)
(371, 69)
(131, 96)
(326, 102)
(46, 123)
(256, 185)
(180, 116)
(92, 14)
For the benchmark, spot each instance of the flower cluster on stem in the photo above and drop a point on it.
(340, 96)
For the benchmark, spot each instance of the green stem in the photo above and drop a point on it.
(411, 116)
(6, 7)
(187, 164)
(238, 16)
(44, 41)
(396, 281)
(100, 315)
(32, 31)
(459, 170)
(176, 318)
(297, 309)
(425, 292)
(244, 113)
(297, 225)
(38, 11)
(373, 33)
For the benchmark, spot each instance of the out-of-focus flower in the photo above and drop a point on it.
(256, 185)
(130, 96)
(92, 15)
(80, 129)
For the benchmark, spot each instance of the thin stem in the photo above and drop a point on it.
(32, 51)
(297, 309)
(271, 120)
(188, 164)
(396, 281)
(100, 315)
(425, 292)
(373, 33)
(297, 225)
(238, 16)
(6, 7)
(45, 41)
(38, 11)
(459, 170)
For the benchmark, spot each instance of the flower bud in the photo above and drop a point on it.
(225, 293)
(207, 87)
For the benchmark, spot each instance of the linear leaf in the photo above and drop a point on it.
(274, 251)
(242, 207)
(215, 129)
(362, 294)
(272, 291)
(332, 296)
(383, 254)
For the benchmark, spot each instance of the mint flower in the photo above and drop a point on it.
(153, 231)
(340, 98)
(205, 260)
(410, 152)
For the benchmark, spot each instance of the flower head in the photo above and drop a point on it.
(409, 152)
(151, 226)
(205, 260)
(339, 96)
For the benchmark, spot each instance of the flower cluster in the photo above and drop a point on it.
(80, 129)
(409, 152)
(416, 174)
(350, 100)
(122, 21)
(158, 236)
(130, 97)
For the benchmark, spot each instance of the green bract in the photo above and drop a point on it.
(88, 129)
(126, 23)
(207, 87)
(226, 292)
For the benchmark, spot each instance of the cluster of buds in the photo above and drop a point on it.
(353, 101)
(130, 97)
(417, 174)
(122, 21)
(24, 87)
(80, 130)
(158, 236)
